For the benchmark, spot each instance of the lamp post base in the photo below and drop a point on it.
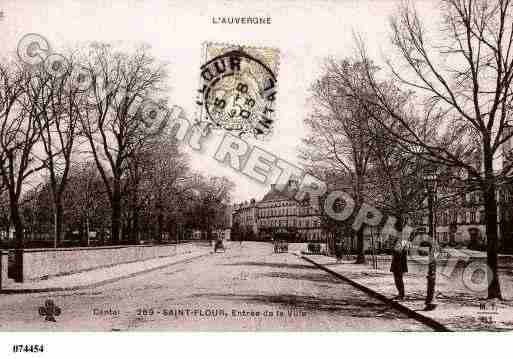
(430, 306)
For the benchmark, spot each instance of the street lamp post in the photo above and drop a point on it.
(430, 182)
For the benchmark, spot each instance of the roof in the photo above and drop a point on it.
(287, 194)
(275, 195)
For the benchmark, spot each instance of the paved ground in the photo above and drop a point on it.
(458, 307)
(235, 290)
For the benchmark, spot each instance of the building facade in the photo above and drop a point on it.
(460, 215)
(461, 221)
(279, 211)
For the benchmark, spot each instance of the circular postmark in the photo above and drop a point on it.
(238, 93)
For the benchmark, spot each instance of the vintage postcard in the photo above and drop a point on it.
(255, 166)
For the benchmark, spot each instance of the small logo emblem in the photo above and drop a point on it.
(488, 312)
(49, 311)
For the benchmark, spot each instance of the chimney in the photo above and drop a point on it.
(273, 186)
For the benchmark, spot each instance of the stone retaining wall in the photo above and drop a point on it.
(46, 262)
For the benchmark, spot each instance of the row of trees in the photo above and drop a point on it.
(443, 103)
(354, 153)
(80, 148)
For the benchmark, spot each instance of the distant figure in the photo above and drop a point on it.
(339, 251)
(399, 266)
(217, 245)
(213, 243)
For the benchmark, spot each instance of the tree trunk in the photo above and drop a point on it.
(133, 217)
(88, 229)
(18, 226)
(116, 213)
(135, 225)
(360, 247)
(58, 215)
(490, 207)
(160, 224)
(431, 272)
(18, 240)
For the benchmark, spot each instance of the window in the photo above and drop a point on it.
(472, 217)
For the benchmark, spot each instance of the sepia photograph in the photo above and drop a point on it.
(255, 166)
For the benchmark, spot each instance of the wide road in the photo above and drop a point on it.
(246, 288)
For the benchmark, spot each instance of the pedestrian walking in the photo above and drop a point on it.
(339, 250)
(399, 266)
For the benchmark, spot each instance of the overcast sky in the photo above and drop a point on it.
(305, 32)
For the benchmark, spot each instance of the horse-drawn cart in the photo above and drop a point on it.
(281, 243)
(281, 246)
(218, 246)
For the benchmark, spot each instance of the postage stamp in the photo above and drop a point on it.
(238, 88)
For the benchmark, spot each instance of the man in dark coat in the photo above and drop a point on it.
(339, 250)
(399, 266)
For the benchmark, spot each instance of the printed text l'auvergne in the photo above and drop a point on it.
(243, 20)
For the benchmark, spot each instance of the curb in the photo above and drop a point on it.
(97, 284)
(430, 322)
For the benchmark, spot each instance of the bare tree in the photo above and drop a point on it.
(86, 204)
(153, 178)
(19, 136)
(462, 77)
(207, 202)
(114, 124)
(396, 180)
(339, 137)
(58, 103)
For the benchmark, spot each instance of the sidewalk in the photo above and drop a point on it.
(458, 308)
(101, 276)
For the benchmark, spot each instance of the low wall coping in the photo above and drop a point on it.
(33, 250)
